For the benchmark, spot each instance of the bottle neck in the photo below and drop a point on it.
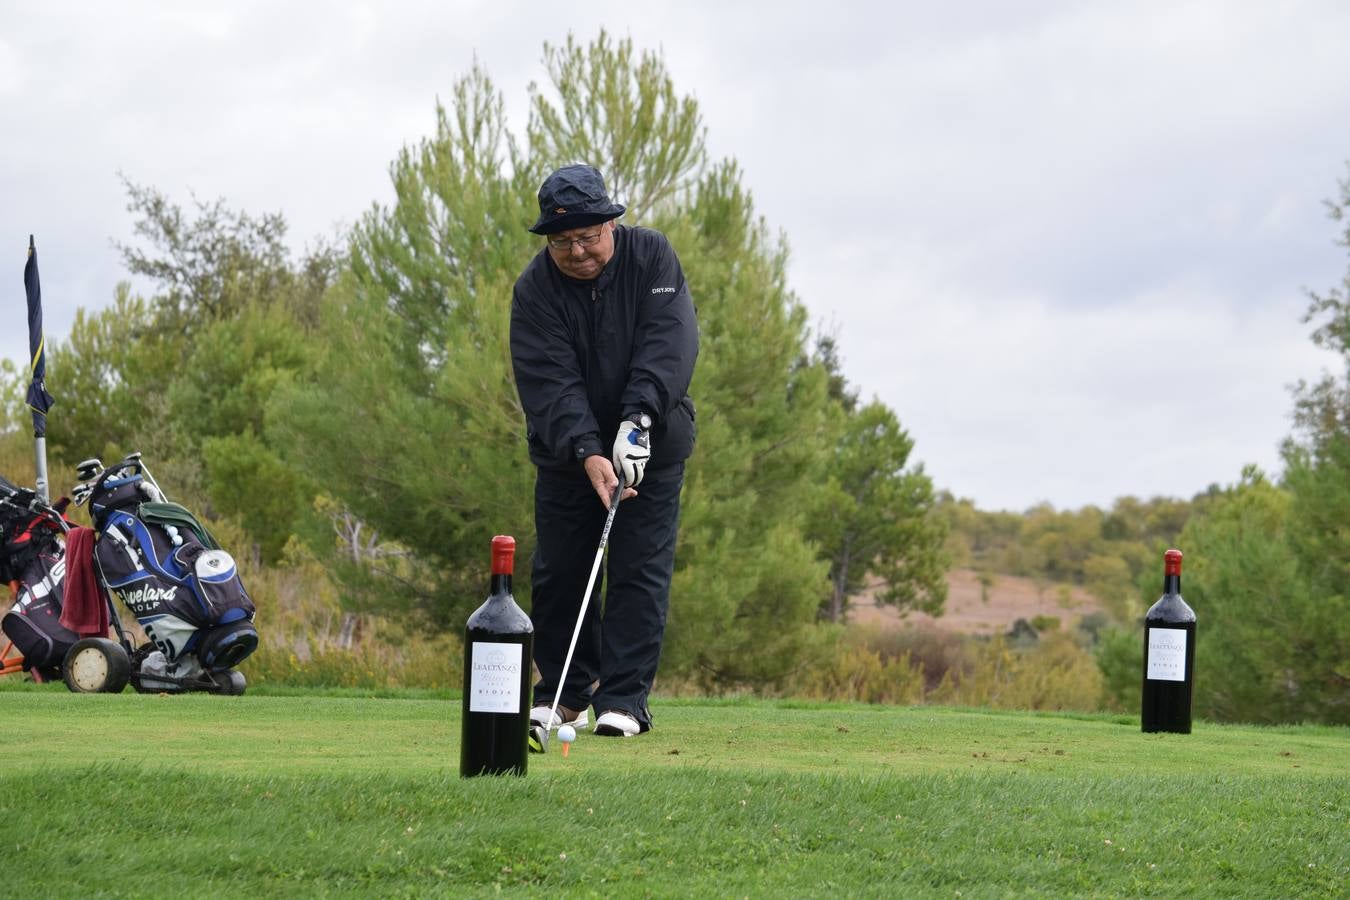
(501, 584)
(1171, 584)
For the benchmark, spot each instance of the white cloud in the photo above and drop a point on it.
(1017, 401)
(12, 73)
(1065, 242)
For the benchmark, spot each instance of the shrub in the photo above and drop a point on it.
(307, 639)
(931, 650)
(1042, 624)
(1120, 658)
(421, 662)
(863, 673)
(920, 665)
(1054, 674)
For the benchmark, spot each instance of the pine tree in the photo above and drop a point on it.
(878, 520)
(429, 445)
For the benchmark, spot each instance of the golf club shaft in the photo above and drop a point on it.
(585, 602)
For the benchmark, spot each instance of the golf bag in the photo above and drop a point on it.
(170, 572)
(32, 561)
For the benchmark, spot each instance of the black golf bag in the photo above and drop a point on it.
(170, 572)
(32, 561)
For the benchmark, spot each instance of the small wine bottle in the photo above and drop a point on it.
(1169, 656)
(498, 648)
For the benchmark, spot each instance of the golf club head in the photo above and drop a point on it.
(87, 469)
(538, 739)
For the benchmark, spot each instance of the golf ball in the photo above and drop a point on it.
(567, 734)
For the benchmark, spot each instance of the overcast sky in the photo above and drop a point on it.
(1066, 242)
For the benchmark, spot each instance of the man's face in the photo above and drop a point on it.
(582, 253)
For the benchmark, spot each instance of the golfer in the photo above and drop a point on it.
(603, 343)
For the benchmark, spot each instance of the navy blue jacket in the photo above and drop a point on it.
(588, 354)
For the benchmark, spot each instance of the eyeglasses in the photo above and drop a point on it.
(586, 240)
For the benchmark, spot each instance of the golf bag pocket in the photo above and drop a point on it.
(177, 589)
(34, 623)
(228, 644)
(214, 578)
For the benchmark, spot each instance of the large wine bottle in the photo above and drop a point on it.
(1169, 655)
(498, 648)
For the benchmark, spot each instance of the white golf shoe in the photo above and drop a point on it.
(578, 720)
(616, 723)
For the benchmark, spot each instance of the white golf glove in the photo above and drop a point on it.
(632, 448)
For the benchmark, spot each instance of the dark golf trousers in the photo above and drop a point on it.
(617, 652)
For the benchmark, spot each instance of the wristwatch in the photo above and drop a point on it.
(641, 420)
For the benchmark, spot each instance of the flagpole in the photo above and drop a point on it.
(38, 398)
(40, 452)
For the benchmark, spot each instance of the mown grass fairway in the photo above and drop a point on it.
(142, 795)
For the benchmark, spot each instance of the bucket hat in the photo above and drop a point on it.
(574, 197)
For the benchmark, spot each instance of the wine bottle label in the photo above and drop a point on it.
(494, 682)
(1166, 654)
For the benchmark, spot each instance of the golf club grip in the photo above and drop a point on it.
(613, 508)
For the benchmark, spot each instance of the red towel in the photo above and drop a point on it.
(84, 611)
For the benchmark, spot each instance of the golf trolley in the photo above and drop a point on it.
(168, 571)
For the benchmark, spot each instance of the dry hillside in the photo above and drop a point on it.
(968, 611)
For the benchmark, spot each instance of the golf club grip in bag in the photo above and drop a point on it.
(188, 598)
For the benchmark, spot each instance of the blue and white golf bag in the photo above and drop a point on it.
(169, 571)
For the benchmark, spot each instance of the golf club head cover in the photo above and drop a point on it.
(632, 448)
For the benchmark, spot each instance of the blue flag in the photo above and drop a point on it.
(39, 401)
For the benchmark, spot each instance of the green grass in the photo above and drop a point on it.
(343, 795)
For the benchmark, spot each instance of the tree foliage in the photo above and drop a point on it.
(749, 580)
(1270, 646)
(12, 392)
(1317, 456)
(206, 266)
(430, 449)
(1317, 475)
(185, 377)
(1268, 565)
(110, 379)
(877, 519)
(1114, 554)
(356, 409)
(622, 113)
(427, 448)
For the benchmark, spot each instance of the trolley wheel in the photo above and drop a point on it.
(229, 681)
(96, 666)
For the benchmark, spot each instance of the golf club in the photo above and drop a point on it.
(539, 735)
